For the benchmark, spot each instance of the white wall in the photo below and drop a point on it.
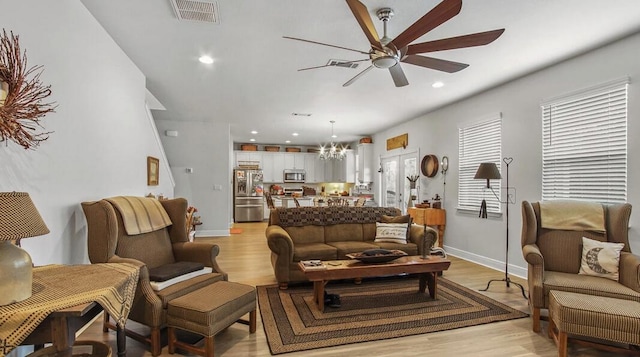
(519, 102)
(204, 147)
(102, 135)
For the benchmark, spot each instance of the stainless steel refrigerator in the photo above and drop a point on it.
(247, 197)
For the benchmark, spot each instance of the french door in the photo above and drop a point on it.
(395, 186)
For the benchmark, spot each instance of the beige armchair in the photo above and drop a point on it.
(108, 242)
(554, 258)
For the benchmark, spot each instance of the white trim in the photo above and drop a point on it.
(581, 92)
(159, 142)
(409, 152)
(487, 262)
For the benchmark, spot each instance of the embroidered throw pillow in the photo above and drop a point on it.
(399, 219)
(391, 232)
(600, 258)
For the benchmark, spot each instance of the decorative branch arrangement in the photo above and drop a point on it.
(23, 107)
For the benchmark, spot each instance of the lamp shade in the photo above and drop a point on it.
(19, 218)
(489, 171)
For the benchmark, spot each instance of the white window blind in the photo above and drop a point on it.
(584, 145)
(477, 143)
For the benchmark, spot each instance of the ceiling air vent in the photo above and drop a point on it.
(342, 63)
(206, 11)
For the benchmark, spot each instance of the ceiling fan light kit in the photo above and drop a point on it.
(387, 53)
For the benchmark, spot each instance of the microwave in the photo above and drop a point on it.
(294, 176)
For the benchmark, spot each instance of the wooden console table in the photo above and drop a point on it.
(63, 291)
(435, 217)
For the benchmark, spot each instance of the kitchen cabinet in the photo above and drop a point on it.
(248, 158)
(310, 167)
(320, 175)
(272, 167)
(365, 163)
(294, 161)
(341, 170)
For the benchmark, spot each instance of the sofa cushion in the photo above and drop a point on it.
(306, 234)
(309, 251)
(184, 287)
(343, 233)
(409, 248)
(600, 258)
(170, 271)
(345, 248)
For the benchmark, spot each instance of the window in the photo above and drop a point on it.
(584, 145)
(479, 142)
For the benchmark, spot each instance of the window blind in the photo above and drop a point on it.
(477, 143)
(584, 145)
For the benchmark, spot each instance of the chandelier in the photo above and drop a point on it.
(333, 152)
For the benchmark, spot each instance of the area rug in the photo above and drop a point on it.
(374, 310)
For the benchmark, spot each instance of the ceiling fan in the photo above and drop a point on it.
(388, 53)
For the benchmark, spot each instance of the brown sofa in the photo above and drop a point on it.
(329, 233)
(554, 258)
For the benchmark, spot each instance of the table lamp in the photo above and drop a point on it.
(19, 219)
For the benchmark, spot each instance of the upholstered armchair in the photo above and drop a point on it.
(110, 242)
(554, 255)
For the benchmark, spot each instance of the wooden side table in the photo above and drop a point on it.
(435, 217)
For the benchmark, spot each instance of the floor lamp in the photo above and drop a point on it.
(489, 171)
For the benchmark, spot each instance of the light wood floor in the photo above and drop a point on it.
(245, 257)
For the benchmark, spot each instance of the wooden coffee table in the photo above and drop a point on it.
(427, 269)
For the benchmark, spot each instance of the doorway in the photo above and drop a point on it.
(395, 185)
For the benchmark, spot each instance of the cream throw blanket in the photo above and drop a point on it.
(572, 216)
(141, 214)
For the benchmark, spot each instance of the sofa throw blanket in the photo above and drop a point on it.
(330, 215)
(141, 214)
(572, 216)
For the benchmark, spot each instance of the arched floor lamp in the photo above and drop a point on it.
(489, 171)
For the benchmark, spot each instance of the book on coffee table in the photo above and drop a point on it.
(313, 264)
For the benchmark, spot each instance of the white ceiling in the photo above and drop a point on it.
(254, 83)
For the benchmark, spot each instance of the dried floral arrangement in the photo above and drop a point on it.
(23, 106)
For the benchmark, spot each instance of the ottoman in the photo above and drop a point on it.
(603, 318)
(209, 310)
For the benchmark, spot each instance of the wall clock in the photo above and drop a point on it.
(429, 165)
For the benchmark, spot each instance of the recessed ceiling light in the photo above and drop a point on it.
(437, 84)
(252, 139)
(206, 59)
(287, 141)
(334, 136)
(254, 132)
(295, 134)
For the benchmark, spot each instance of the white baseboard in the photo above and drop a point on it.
(488, 262)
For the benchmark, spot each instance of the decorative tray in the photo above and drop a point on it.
(377, 255)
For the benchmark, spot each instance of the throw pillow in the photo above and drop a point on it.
(600, 258)
(391, 232)
(399, 219)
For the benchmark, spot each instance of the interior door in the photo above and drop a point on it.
(395, 186)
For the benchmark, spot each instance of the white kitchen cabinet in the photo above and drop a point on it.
(341, 170)
(268, 174)
(320, 174)
(310, 167)
(248, 158)
(294, 161)
(365, 163)
(278, 167)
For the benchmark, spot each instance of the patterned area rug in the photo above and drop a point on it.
(374, 310)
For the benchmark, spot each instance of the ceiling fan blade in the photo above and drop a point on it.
(476, 39)
(435, 63)
(330, 65)
(325, 44)
(398, 75)
(349, 82)
(362, 16)
(434, 18)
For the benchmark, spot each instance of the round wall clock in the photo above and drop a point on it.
(429, 165)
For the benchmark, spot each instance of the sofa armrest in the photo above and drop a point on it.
(630, 271)
(535, 274)
(532, 255)
(420, 234)
(280, 242)
(204, 253)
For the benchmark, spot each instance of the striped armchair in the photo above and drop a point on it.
(159, 244)
(554, 258)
